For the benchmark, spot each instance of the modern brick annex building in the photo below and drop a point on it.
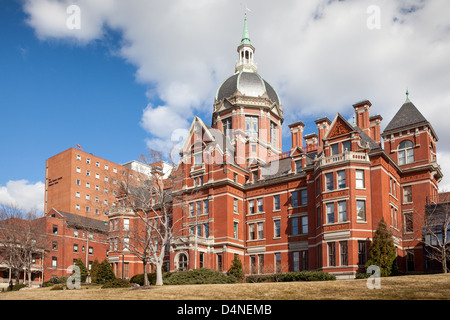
(315, 207)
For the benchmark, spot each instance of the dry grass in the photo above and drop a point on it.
(417, 287)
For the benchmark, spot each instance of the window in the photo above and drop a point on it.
(55, 229)
(75, 248)
(54, 245)
(251, 206)
(329, 181)
(260, 204)
(78, 157)
(251, 231)
(344, 253)
(198, 159)
(88, 185)
(97, 176)
(219, 262)
(206, 229)
(78, 182)
(407, 194)
(362, 257)
(331, 254)
(409, 226)
(54, 262)
(88, 161)
(236, 230)
(346, 146)
(126, 224)
(198, 206)
(77, 194)
(227, 128)
(97, 164)
(235, 205)
(91, 249)
(77, 207)
(260, 226)
(277, 262)
(106, 167)
(304, 224)
(296, 261)
(304, 197)
(334, 149)
(88, 173)
(251, 126)
(191, 209)
(319, 217)
(342, 210)
(205, 206)
(75, 233)
(97, 188)
(360, 179)
(405, 152)
(298, 166)
(235, 177)
(87, 209)
(276, 202)
(78, 170)
(330, 212)
(305, 260)
(273, 135)
(88, 197)
(294, 226)
(361, 210)
(294, 199)
(341, 179)
(276, 229)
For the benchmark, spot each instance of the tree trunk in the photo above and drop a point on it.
(444, 261)
(146, 283)
(159, 278)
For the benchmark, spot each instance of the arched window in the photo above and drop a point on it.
(405, 152)
(182, 262)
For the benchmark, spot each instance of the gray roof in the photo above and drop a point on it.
(366, 139)
(249, 84)
(406, 116)
(78, 221)
(280, 168)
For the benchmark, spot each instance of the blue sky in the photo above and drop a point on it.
(137, 71)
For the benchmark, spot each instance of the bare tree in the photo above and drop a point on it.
(150, 201)
(22, 238)
(436, 233)
(432, 230)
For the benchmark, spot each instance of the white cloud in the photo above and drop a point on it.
(319, 55)
(23, 194)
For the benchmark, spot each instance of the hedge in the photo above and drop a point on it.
(197, 276)
(292, 276)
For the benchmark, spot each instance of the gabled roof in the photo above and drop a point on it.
(407, 115)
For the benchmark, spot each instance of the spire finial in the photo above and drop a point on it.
(407, 95)
(245, 34)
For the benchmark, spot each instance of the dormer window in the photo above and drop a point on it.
(405, 152)
(198, 157)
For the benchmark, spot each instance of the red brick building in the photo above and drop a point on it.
(72, 237)
(315, 207)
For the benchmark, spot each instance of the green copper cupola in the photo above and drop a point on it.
(246, 52)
